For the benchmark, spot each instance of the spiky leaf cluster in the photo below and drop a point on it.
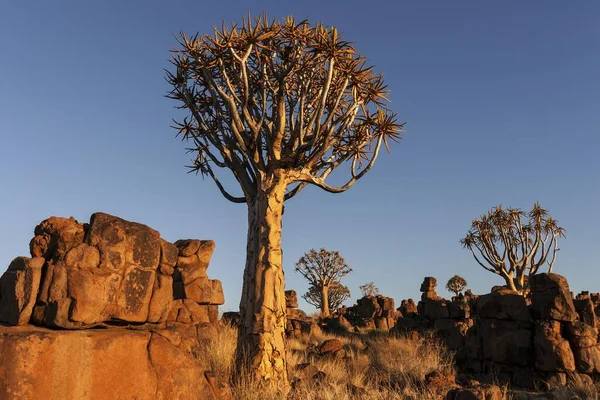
(267, 95)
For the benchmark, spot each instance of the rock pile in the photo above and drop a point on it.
(153, 296)
(372, 312)
(297, 321)
(546, 337)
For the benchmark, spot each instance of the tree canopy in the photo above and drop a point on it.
(266, 96)
(513, 243)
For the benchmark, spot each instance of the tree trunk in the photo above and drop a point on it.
(261, 339)
(325, 301)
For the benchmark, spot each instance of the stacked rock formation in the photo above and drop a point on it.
(154, 296)
(373, 312)
(529, 342)
(296, 318)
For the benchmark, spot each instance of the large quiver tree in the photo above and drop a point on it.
(514, 244)
(281, 106)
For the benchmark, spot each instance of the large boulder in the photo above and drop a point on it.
(19, 287)
(503, 304)
(507, 342)
(551, 298)
(55, 236)
(37, 363)
(552, 352)
(367, 307)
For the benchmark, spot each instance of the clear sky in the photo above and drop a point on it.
(501, 100)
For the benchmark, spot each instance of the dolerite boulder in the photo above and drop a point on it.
(552, 352)
(110, 271)
(38, 363)
(109, 276)
(19, 288)
(503, 304)
(551, 298)
(291, 299)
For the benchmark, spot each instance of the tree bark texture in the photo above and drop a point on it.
(325, 301)
(261, 339)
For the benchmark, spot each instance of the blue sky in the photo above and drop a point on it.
(501, 102)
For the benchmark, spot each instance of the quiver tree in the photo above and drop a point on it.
(323, 269)
(336, 295)
(456, 284)
(369, 289)
(280, 106)
(514, 244)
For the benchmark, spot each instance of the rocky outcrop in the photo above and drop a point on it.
(153, 298)
(39, 363)
(527, 341)
(297, 320)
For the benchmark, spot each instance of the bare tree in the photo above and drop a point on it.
(280, 105)
(336, 295)
(369, 289)
(514, 244)
(323, 269)
(456, 284)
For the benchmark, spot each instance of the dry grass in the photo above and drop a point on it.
(386, 367)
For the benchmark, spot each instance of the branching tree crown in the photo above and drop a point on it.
(338, 293)
(323, 269)
(456, 284)
(369, 289)
(514, 244)
(267, 96)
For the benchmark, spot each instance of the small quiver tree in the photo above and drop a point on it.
(323, 269)
(514, 244)
(280, 106)
(456, 284)
(369, 289)
(336, 295)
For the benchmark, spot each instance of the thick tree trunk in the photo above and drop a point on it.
(325, 301)
(261, 340)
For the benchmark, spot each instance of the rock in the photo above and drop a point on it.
(103, 364)
(367, 307)
(331, 346)
(123, 244)
(585, 310)
(552, 352)
(433, 309)
(551, 298)
(168, 257)
(408, 308)
(187, 247)
(19, 287)
(452, 332)
(231, 318)
(587, 359)
(507, 342)
(162, 299)
(581, 335)
(459, 309)
(338, 323)
(503, 304)
(195, 265)
(291, 299)
(386, 304)
(429, 284)
(578, 380)
(483, 392)
(55, 236)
